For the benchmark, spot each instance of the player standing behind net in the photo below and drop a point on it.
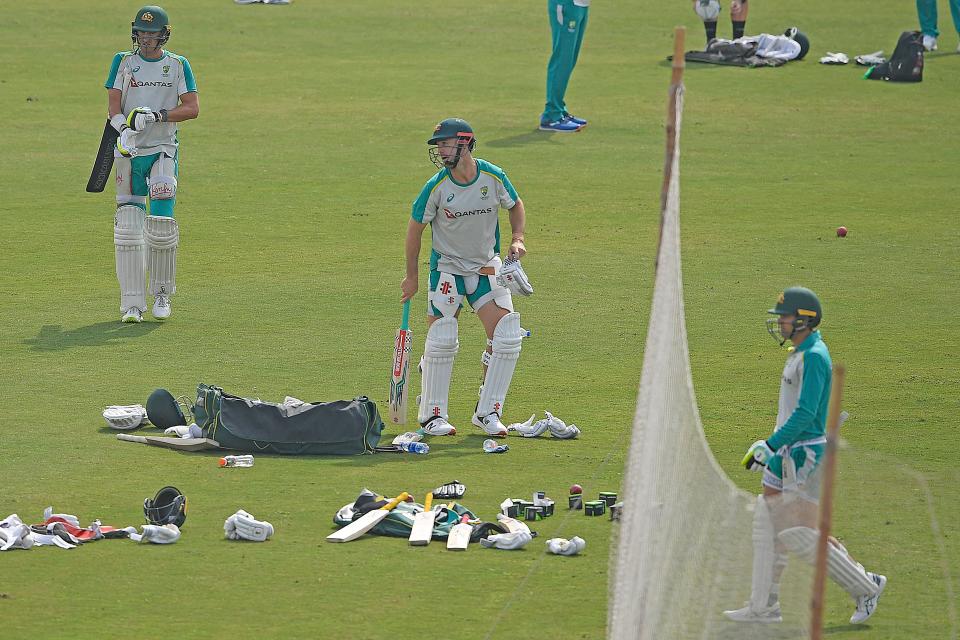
(461, 203)
(786, 514)
(149, 90)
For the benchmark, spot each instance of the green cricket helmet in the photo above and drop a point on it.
(799, 302)
(800, 38)
(446, 129)
(164, 411)
(151, 19)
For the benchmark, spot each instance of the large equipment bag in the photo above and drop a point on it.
(342, 427)
(906, 63)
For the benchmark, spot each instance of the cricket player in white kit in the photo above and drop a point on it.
(461, 204)
(149, 90)
(785, 515)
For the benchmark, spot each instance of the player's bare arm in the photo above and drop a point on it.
(518, 222)
(410, 284)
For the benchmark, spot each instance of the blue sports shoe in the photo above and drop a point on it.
(561, 126)
(574, 119)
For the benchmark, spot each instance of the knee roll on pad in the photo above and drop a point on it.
(128, 240)
(436, 367)
(850, 575)
(506, 345)
(163, 237)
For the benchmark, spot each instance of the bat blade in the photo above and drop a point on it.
(459, 536)
(181, 444)
(422, 531)
(366, 522)
(401, 369)
(103, 163)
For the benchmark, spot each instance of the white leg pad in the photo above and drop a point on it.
(845, 572)
(507, 342)
(163, 236)
(130, 251)
(439, 351)
(764, 556)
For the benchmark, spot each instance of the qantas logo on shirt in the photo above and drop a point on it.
(136, 83)
(453, 215)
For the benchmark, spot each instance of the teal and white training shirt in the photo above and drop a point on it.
(804, 394)
(464, 218)
(157, 84)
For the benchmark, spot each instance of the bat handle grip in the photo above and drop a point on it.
(405, 324)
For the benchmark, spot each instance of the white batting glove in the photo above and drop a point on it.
(528, 429)
(139, 118)
(564, 547)
(127, 143)
(508, 541)
(757, 456)
(514, 278)
(157, 534)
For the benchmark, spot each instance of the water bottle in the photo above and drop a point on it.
(236, 461)
(415, 447)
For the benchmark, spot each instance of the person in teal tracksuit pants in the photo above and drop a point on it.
(568, 21)
(927, 11)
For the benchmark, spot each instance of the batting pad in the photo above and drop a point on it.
(764, 555)
(130, 252)
(845, 572)
(439, 351)
(507, 342)
(163, 236)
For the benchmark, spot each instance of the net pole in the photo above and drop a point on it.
(826, 503)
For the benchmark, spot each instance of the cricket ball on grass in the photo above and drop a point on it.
(841, 232)
(575, 489)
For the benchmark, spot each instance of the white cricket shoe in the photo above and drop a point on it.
(769, 614)
(133, 314)
(866, 605)
(491, 425)
(437, 426)
(161, 306)
(930, 43)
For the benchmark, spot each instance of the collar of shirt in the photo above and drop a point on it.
(811, 340)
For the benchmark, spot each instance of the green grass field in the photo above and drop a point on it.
(295, 188)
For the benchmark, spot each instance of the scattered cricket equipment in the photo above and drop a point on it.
(366, 522)
(408, 436)
(459, 536)
(164, 410)
(130, 250)
(243, 526)
(528, 429)
(14, 534)
(163, 236)
(169, 506)
(125, 417)
(453, 489)
(491, 446)
(439, 350)
(507, 342)
(401, 369)
(508, 541)
(422, 531)
(184, 431)
(847, 573)
(558, 428)
(157, 534)
(181, 444)
(513, 525)
(513, 277)
(564, 547)
(708, 10)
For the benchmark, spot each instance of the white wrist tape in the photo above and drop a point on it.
(118, 122)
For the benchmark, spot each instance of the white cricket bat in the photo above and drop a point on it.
(422, 531)
(401, 369)
(459, 536)
(182, 444)
(366, 522)
(515, 526)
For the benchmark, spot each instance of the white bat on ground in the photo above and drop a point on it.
(366, 522)
(459, 536)
(182, 444)
(422, 531)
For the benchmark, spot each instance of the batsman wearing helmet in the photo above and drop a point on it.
(461, 204)
(149, 90)
(785, 516)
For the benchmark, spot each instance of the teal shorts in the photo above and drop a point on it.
(481, 293)
(804, 474)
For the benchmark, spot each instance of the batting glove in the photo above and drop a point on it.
(513, 277)
(507, 541)
(564, 547)
(127, 143)
(529, 429)
(139, 118)
(757, 456)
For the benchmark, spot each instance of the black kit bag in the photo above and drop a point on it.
(906, 63)
(341, 427)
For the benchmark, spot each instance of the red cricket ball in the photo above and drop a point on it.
(575, 488)
(841, 232)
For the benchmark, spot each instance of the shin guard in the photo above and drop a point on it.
(764, 556)
(163, 236)
(129, 248)
(507, 342)
(841, 568)
(439, 351)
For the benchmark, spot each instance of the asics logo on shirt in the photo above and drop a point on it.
(450, 197)
(452, 215)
